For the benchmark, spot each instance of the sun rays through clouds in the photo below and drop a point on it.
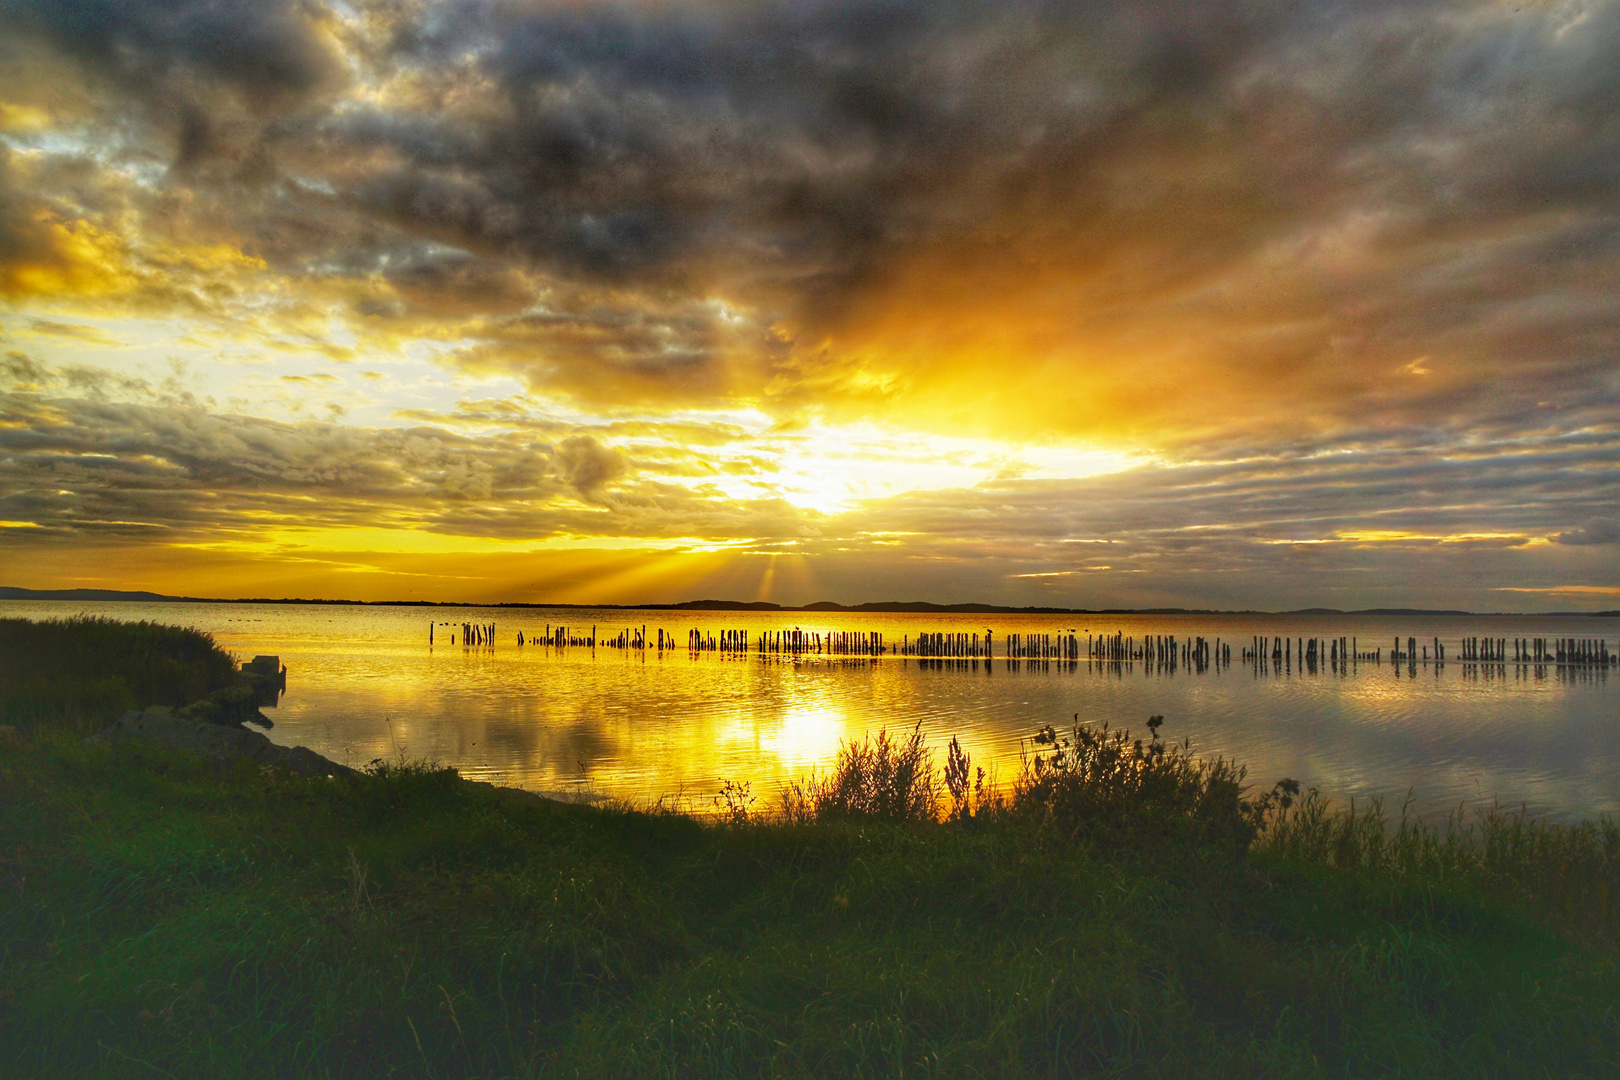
(1086, 304)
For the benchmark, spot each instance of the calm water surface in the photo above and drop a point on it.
(364, 683)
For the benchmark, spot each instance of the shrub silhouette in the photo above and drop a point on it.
(877, 777)
(1101, 778)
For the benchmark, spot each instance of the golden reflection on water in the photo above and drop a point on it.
(364, 684)
(806, 735)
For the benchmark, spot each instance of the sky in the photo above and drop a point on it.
(1085, 304)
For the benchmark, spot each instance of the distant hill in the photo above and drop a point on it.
(876, 607)
(1379, 611)
(722, 605)
(7, 593)
(122, 595)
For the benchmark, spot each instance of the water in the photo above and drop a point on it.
(364, 684)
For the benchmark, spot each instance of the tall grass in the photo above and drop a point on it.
(881, 778)
(1100, 783)
(1084, 779)
(1094, 778)
(82, 672)
(1568, 872)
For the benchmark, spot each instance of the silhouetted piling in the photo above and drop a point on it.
(1167, 652)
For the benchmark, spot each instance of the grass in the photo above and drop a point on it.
(77, 673)
(875, 779)
(1119, 911)
(1567, 874)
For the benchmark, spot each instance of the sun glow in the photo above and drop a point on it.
(807, 735)
(327, 323)
(830, 469)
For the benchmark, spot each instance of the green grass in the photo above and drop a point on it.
(1119, 912)
(1566, 874)
(79, 673)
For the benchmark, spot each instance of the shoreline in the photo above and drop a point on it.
(405, 921)
(1123, 907)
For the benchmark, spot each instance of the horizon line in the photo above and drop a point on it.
(868, 607)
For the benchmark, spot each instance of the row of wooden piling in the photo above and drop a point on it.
(1411, 655)
(1310, 650)
(1571, 652)
(1116, 648)
(472, 634)
(1161, 649)
(954, 646)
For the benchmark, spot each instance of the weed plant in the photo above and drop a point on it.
(877, 778)
(82, 672)
(1101, 778)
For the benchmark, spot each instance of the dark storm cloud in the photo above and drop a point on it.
(1350, 274)
(1595, 531)
(804, 140)
(1295, 200)
(457, 284)
(1316, 196)
(827, 134)
(269, 49)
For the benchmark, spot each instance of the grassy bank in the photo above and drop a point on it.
(1125, 910)
(78, 673)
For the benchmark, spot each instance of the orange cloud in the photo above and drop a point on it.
(72, 259)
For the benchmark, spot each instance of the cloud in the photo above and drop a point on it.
(90, 335)
(587, 464)
(1372, 523)
(1348, 276)
(273, 49)
(910, 196)
(80, 462)
(1595, 531)
(41, 254)
(66, 241)
(449, 285)
(1138, 223)
(1579, 592)
(23, 371)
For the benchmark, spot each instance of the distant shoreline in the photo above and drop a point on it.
(878, 608)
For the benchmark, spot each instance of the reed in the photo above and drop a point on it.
(1102, 778)
(879, 777)
(1568, 872)
(82, 672)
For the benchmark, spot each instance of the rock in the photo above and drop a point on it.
(264, 665)
(219, 743)
(231, 706)
(306, 762)
(511, 796)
